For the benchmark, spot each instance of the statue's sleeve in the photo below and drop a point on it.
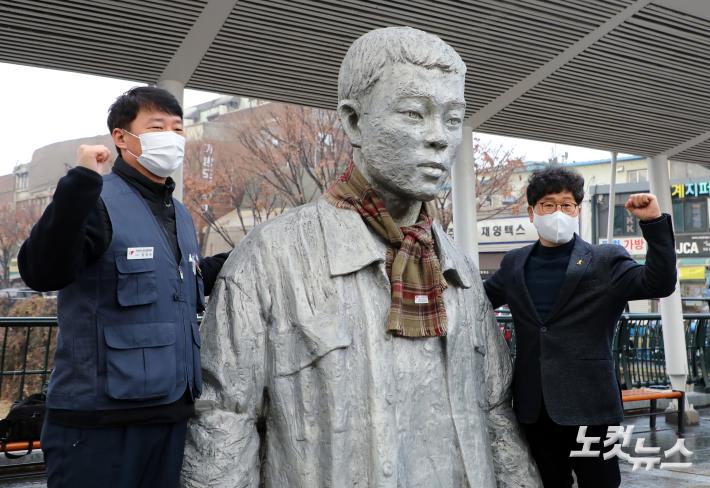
(222, 446)
(514, 466)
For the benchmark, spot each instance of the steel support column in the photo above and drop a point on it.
(463, 181)
(189, 55)
(612, 201)
(670, 308)
(176, 89)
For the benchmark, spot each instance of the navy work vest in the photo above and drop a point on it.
(128, 332)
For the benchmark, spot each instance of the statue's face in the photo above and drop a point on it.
(410, 128)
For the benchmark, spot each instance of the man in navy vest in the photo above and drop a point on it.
(125, 259)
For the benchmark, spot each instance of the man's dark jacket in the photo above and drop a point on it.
(566, 358)
(74, 232)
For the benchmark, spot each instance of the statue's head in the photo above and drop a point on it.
(401, 103)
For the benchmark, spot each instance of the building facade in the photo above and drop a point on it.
(36, 181)
(7, 190)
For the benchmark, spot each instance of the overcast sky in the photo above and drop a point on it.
(41, 106)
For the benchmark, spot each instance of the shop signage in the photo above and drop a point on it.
(515, 229)
(691, 245)
(684, 190)
(692, 273)
(636, 246)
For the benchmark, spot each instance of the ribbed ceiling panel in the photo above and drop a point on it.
(642, 89)
(696, 154)
(296, 46)
(131, 39)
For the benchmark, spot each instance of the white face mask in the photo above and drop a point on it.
(161, 152)
(556, 227)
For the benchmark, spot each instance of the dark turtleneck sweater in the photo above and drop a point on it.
(545, 272)
(75, 230)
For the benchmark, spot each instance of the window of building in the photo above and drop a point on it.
(637, 176)
(625, 224)
(21, 181)
(690, 215)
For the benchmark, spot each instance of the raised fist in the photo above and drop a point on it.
(644, 206)
(92, 157)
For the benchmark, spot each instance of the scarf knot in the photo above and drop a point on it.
(416, 281)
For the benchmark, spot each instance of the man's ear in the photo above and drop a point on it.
(349, 112)
(119, 138)
(530, 213)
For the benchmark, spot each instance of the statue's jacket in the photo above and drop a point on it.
(298, 368)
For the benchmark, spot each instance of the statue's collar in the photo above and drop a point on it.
(350, 246)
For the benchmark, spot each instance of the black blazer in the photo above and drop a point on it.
(567, 358)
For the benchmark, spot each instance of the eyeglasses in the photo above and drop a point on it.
(550, 208)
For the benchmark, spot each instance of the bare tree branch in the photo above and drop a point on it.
(495, 168)
(15, 225)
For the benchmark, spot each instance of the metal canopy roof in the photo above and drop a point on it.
(621, 75)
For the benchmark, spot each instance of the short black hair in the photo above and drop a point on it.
(126, 107)
(554, 179)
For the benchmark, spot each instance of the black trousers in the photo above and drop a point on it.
(139, 456)
(550, 445)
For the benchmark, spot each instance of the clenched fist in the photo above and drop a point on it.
(643, 206)
(92, 157)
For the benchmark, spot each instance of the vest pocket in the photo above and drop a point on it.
(136, 282)
(140, 360)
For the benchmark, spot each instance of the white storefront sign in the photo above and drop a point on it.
(635, 246)
(504, 234)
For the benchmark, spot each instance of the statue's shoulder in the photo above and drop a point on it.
(287, 225)
(272, 241)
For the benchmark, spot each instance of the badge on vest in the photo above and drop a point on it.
(139, 253)
(194, 259)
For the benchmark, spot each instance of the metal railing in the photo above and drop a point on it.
(26, 355)
(28, 343)
(638, 351)
(639, 355)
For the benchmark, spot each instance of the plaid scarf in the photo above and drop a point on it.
(417, 308)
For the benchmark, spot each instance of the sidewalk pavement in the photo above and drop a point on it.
(697, 440)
